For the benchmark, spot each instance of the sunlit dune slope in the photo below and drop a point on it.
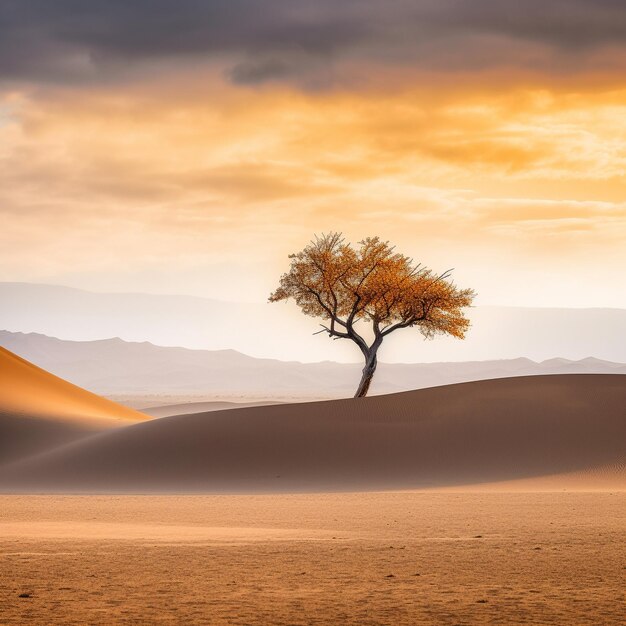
(25, 389)
(39, 411)
(471, 433)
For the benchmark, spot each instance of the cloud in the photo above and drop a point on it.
(307, 43)
(104, 179)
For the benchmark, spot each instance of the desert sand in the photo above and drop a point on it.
(39, 411)
(390, 558)
(26, 389)
(482, 432)
(185, 408)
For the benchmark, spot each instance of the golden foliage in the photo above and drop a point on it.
(330, 279)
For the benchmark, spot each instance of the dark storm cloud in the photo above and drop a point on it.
(261, 40)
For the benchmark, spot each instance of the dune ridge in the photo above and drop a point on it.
(39, 411)
(475, 433)
(29, 390)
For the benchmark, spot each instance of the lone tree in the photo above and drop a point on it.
(374, 285)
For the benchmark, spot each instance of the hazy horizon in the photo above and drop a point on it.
(280, 331)
(244, 300)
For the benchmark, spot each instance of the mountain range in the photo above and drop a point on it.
(118, 368)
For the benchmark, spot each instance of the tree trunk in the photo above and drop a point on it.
(368, 374)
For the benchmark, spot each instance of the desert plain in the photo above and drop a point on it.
(415, 557)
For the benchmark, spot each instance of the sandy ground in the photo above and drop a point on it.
(378, 558)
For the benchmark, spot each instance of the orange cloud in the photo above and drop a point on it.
(181, 175)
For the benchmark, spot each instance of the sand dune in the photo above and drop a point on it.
(29, 390)
(471, 433)
(185, 408)
(39, 411)
(22, 436)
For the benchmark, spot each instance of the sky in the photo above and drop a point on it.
(188, 147)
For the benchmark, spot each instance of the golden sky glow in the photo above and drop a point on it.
(183, 181)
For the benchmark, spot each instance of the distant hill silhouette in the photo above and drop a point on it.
(281, 332)
(115, 367)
